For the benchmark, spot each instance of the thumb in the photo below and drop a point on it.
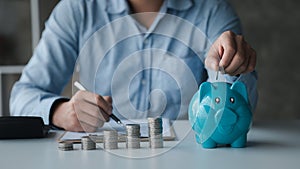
(108, 99)
(213, 59)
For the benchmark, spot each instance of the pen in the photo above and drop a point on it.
(115, 118)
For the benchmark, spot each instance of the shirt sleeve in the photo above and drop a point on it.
(51, 65)
(224, 18)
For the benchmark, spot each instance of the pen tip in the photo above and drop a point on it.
(120, 123)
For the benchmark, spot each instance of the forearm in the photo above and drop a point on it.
(51, 66)
(29, 101)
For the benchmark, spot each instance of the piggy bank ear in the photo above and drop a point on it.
(241, 89)
(205, 88)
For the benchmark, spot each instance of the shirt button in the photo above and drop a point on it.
(143, 82)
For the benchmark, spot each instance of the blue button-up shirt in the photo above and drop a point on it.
(148, 71)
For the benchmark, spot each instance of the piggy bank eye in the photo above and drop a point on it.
(217, 100)
(231, 99)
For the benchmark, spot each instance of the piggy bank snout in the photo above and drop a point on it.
(226, 120)
(226, 116)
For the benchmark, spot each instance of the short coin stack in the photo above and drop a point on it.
(110, 139)
(133, 136)
(65, 146)
(87, 143)
(155, 132)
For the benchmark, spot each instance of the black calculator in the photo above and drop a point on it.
(22, 127)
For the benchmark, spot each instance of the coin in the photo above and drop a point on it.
(133, 136)
(155, 132)
(110, 139)
(65, 146)
(87, 143)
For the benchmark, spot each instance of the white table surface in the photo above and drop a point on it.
(271, 145)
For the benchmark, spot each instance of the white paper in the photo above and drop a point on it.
(121, 130)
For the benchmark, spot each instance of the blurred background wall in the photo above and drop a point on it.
(16, 38)
(272, 27)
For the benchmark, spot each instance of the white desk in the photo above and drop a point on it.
(271, 145)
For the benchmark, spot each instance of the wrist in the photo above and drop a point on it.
(56, 109)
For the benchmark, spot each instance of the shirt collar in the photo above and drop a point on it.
(180, 5)
(119, 6)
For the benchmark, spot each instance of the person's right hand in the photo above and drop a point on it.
(85, 111)
(232, 53)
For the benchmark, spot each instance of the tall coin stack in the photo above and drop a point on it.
(110, 139)
(133, 136)
(87, 143)
(155, 132)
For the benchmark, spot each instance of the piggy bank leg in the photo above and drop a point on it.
(240, 142)
(209, 143)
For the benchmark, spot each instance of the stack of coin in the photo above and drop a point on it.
(133, 136)
(65, 146)
(155, 132)
(87, 143)
(110, 139)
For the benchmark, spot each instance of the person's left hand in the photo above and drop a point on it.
(232, 53)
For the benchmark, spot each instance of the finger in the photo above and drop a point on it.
(77, 128)
(213, 58)
(89, 123)
(239, 58)
(250, 62)
(243, 68)
(228, 43)
(103, 104)
(73, 123)
(108, 99)
(88, 118)
(104, 116)
(92, 112)
(95, 99)
(88, 113)
(87, 127)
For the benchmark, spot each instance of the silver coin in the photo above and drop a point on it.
(110, 146)
(156, 136)
(157, 145)
(155, 132)
(151, 119)
(110, 133)
(133, 136)
(133, 139)
(133, 126)
(133, 145)
(110, 139)
(65, 146)
(87, 143)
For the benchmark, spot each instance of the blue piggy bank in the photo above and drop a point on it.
(220, 114)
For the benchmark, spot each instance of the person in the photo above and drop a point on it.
(73, 23)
